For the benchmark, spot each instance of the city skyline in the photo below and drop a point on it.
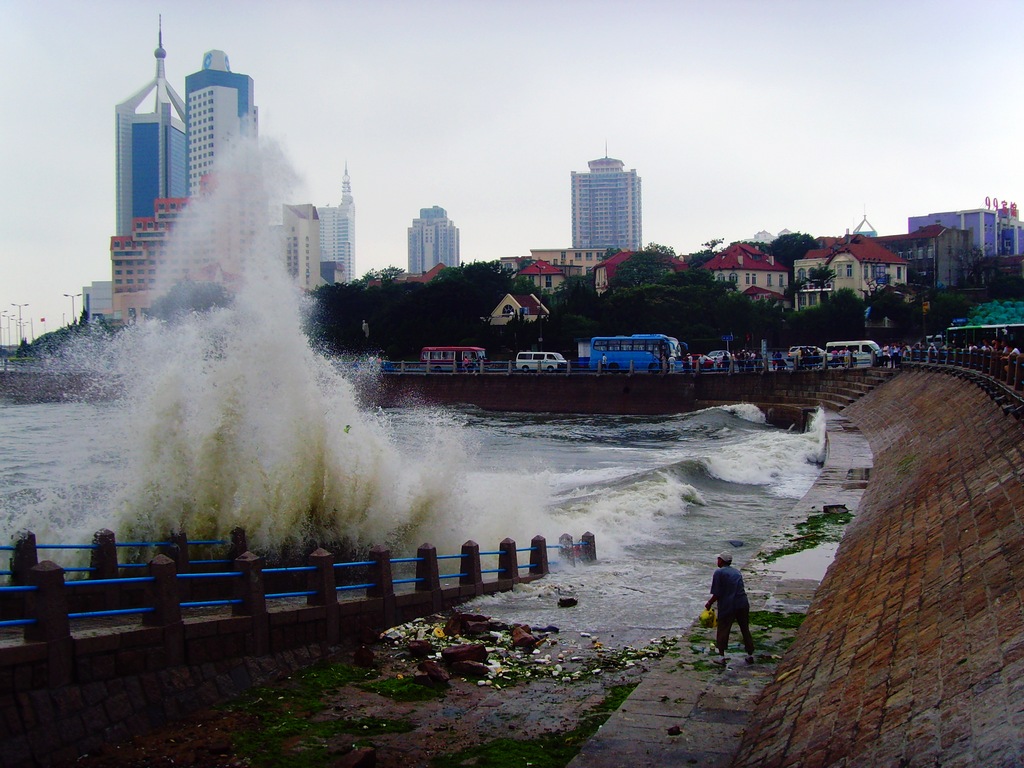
(740, 117)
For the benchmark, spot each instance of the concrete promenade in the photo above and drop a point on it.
(912, 652)
(689, 714)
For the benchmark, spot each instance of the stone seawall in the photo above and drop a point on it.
(912, 653)
(782, 396)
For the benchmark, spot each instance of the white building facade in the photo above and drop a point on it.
(433, 240)
(300, 227)
(338, 235)
(607, 210)
(220, 113)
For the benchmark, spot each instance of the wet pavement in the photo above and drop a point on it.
(686, 711)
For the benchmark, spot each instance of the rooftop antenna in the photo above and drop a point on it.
(606, 149)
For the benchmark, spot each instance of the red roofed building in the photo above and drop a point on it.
(860, 263)
(748, 268)
(545, 276)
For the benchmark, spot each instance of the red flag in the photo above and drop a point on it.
(42, 319)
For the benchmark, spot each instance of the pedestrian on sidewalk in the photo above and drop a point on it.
(727, 590)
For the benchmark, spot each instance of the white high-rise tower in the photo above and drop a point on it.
(221, 112)
(338, 236)
(433, 240)
(606, 207)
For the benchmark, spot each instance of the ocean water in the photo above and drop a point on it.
(231, 418)
(662, 495)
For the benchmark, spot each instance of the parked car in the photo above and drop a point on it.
(717, 358)
(540, 361)
(804, 356)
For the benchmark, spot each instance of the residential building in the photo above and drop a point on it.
(939, 256)
(751, 271)
(220, 114)
(995, 230)
(338, 235)
(433, 240)
(152, 154)
(860, 263)
(606, 207)
(605, 270)
(545, 276)
(300, 230)
(526, 307)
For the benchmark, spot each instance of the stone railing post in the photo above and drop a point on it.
(324, 584)
(470, 567)
(239, 544)
(48, 605)
(163, 595)
(429, 575)
(383, 584)
(508, 563)
(254, 601)
(103, 562)
(588, 547)
(25, 557)
(539, 556)
(178, 551)
(566, 548)
(1017, 370)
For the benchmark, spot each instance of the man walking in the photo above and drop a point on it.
(727, 590)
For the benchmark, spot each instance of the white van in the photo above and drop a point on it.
(540, 361)
(863, 351)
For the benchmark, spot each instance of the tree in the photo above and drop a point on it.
(786, 249)
(187, 297)
(703, 256)
(643, 268)
(820, 276)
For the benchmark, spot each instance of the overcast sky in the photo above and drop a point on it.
(738, 116)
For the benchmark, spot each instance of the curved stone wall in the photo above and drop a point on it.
(912, 652)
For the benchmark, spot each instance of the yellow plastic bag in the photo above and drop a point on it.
(708, 618)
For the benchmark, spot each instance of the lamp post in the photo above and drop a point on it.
(72, 296)
(21, 330)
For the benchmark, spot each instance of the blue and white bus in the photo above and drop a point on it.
(646, 352)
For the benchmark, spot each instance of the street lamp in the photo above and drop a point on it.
(21, 331)
(72, 296)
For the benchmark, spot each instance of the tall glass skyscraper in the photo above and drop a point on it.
(606, 207)
(433, 240)
(221, 111)
(151, 149)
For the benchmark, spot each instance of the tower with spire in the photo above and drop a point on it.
(338, 236)
(152, 152)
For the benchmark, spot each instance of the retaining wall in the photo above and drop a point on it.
(65, 691)
(912, 652)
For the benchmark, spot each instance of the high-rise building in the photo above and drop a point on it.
(300, 228)
(606, 207)
(338, 235)
(433, 240)
(220, 113)
(152, 157)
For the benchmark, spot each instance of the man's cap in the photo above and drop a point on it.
(726, 557)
